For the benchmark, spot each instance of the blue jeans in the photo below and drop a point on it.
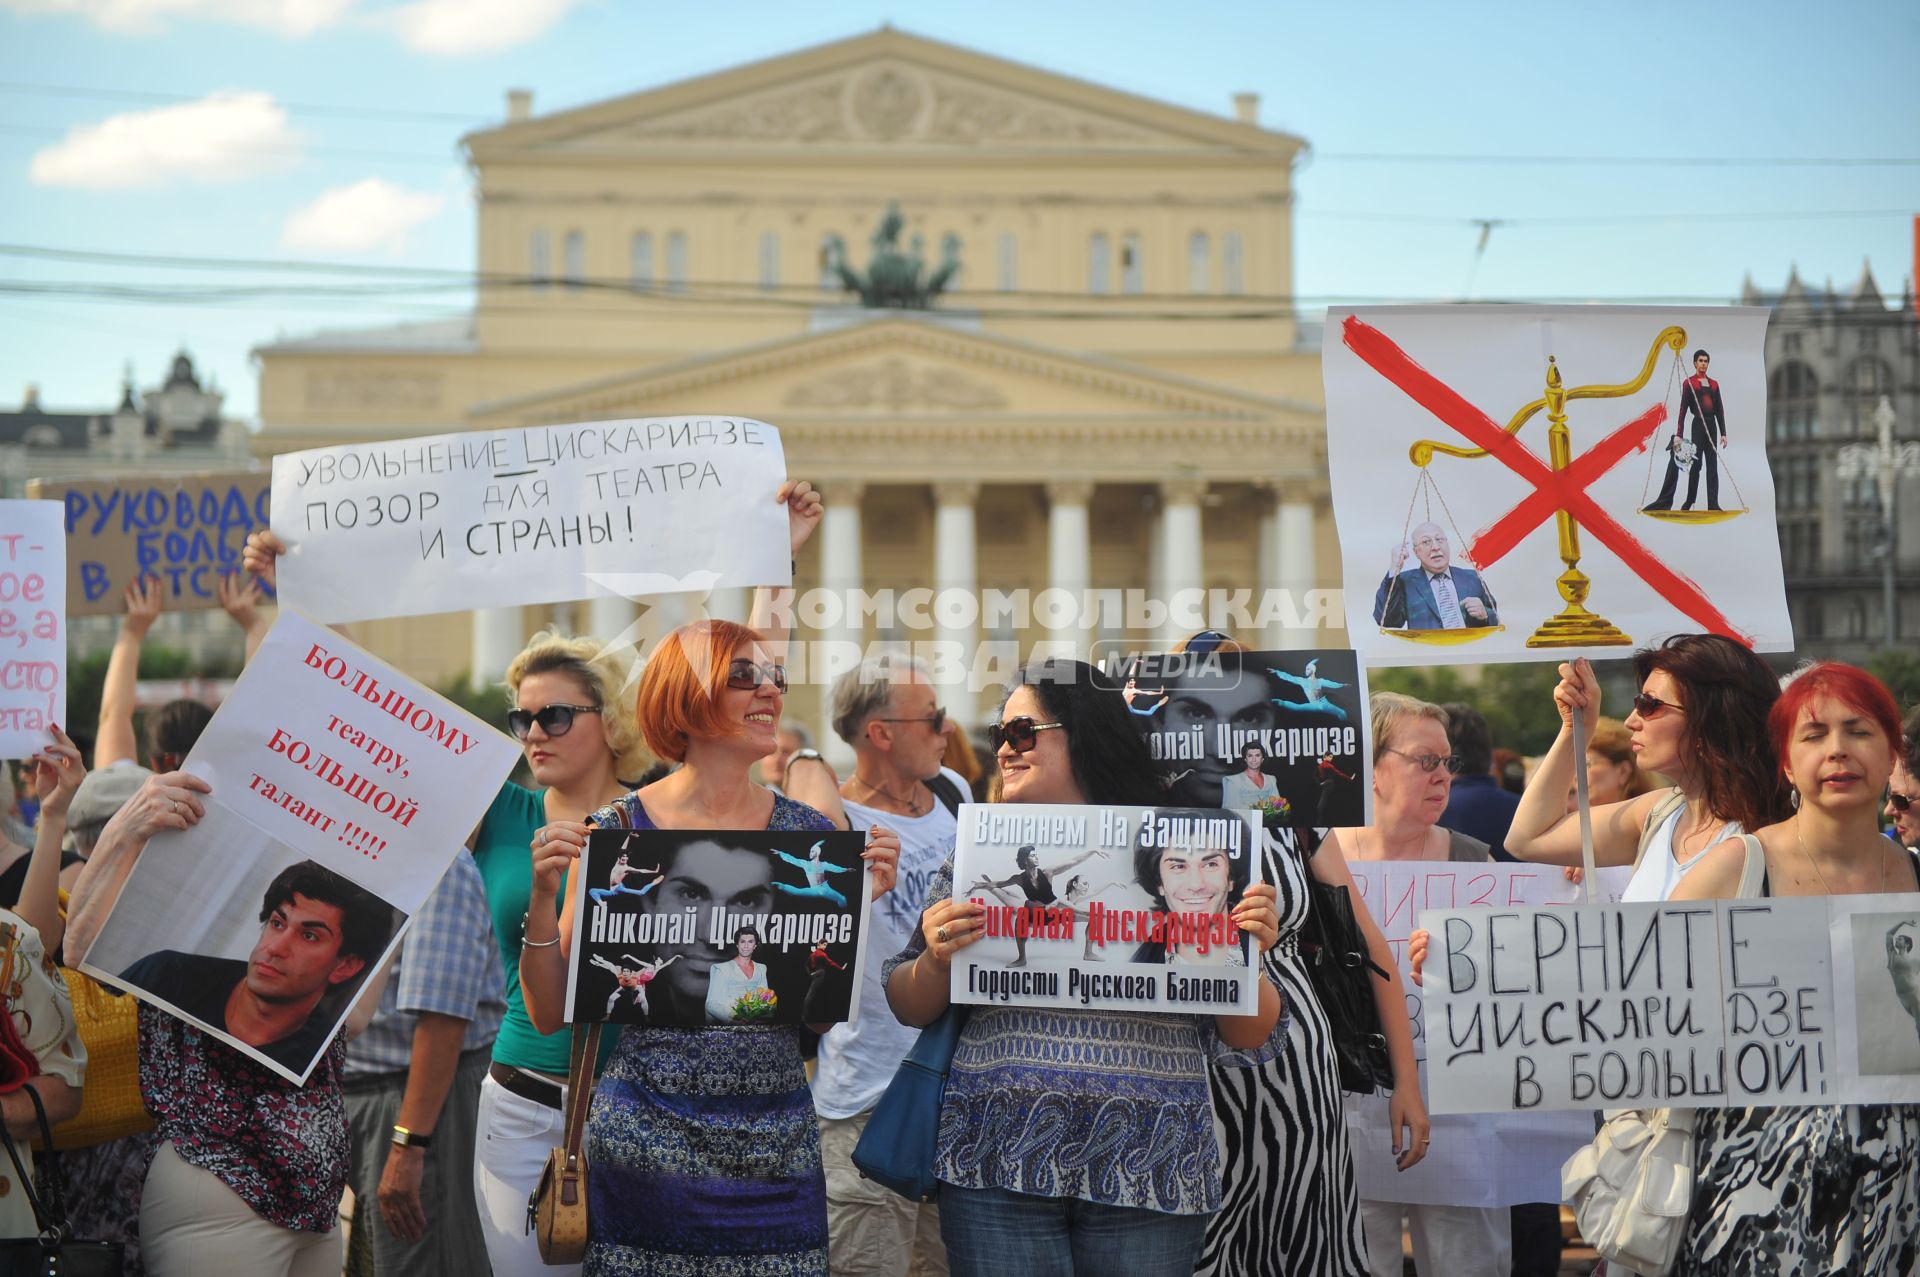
(991, 1232)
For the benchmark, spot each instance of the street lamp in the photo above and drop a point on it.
(1886, 462)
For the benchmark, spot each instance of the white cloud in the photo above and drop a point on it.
(221, 138)
(371, 213)
(287, 17)
(462, 28)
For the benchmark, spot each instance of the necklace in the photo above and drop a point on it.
(1813, 865)
(911, 802)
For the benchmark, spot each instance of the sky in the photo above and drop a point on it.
(1622, 150)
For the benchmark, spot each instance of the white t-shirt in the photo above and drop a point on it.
(1659, 873)
(858, 1060)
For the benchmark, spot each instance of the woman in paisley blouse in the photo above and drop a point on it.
(1075, 1142)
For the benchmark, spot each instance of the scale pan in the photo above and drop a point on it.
(1446, 638)
(1693, 516)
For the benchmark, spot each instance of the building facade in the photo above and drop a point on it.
(1105, 391)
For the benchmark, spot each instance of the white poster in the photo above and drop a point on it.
(1701, 1004)
(1108, 908)
(33, 625)
(341, 790)
(1533, 482)
(544, 514)
(1499, 1159)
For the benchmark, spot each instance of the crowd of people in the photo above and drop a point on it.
(1069, 1142)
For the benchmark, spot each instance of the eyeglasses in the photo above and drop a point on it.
(1648, 705)
(554, 720)
(1021, 733)
(1901, 802)
(936, 720)
(745, 676)
(1427, 762)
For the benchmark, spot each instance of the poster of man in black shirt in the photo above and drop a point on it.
(1700, 397)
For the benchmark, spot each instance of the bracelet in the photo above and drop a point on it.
(533, 944)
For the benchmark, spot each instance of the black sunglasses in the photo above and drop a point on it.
(1427, 762)
(554, 720)
(744, 675)
(1901, 802)
(1021, 733)
(936, 720)
(1648, 705)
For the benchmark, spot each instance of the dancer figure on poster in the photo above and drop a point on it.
(729, 981)
(816, 873)
(616, 881)
(1074, 896)
(1132, 693)
(1037, 883)
(1699, 395)
(633, 978)
(1434, 595)
(1903, 964)
(1246, 788)
(1313, 691)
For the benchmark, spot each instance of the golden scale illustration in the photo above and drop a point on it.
(1573, 625)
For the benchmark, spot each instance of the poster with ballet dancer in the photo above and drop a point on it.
(691, 928)
(1538, 482)
(1283, 733)
(1108, 908)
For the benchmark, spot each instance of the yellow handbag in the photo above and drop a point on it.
(110, 1104)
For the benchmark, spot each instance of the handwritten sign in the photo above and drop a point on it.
(1702, 1004)
(184, 529)
(33, 625)
(334, 772)
(541, 515)
(1107, 908)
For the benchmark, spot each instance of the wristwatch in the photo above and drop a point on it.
(404, 1138)
(800, 754)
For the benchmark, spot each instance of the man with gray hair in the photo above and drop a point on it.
(887, 711)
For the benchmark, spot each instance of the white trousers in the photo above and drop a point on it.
(191, 1224)
(1448, 1241)
(516, 1134)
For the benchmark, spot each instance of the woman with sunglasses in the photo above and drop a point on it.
(1413, 770)
(1699, 720)
(1812, 1189)
(703, 1141)
(1074, 1142)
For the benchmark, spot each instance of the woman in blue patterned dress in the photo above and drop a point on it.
(1074, 1142)
(703, 1142)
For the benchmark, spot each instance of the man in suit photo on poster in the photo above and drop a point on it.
(1434, 594)
(320, 934)
(1700, 450)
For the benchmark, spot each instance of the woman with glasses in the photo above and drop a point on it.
(1074, 1142)
(1613, 770)
(1413, 770)
(703, 1142)
(1699, 720)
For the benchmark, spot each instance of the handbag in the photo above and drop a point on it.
(1333, 951)
(110, 1104)
(557, 1211)
(55, 1252)
(896, 1148)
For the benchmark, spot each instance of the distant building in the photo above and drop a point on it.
(1830, 359)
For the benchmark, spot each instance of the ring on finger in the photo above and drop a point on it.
(940, 934)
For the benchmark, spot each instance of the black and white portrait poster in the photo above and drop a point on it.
(1108, 908)
(1877, 988)
(1281, 732)
(696, 927)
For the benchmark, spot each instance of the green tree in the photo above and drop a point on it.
(1899, 669)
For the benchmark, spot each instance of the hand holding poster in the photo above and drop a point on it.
(1281, 732)
(705, 927)
(33, 625)
(340, 792)
(546, 514)
(1108, 908)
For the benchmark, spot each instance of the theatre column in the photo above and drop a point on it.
(1070, 563)
(837, 648)
(496, 641)
(956, 583)
(1181, 564)
(608, 617)
(1294, 522)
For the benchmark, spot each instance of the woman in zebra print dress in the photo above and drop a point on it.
(1812, 1190)
(1289, 1204)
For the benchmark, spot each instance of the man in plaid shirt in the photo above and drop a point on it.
(413, 1090)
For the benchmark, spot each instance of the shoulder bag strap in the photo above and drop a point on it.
(580, 1070)
(49, 1211)
(1655, 818)
(947, 792)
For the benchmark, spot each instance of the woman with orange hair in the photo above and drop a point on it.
(703, 1142)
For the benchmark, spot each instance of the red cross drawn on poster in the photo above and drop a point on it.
(1553, 490)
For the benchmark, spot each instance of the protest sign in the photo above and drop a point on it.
(185, 530)
(1701, 1004)
(33, 625)
(1525, 482)
(1501, 1159)
(341, 791)
(545, 514)
(1281, 732)
(690, 928)
(1107, 908)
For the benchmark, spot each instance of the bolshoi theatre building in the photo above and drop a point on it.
(1024, 331)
